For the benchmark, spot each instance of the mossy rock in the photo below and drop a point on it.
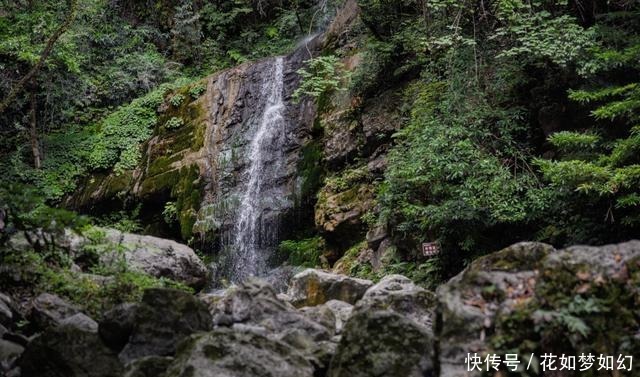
(234, 352)
(531, 299)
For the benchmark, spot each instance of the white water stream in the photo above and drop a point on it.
(265, 153)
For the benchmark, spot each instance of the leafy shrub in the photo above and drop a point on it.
(124, 220)
(176, 100)
(124, 130)
(170, 212)
(197, 90)
(320, 76)
(305, 253)
(449, 178)
(23, 209)
(173, 123)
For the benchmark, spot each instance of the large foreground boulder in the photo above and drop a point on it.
(314, 287)
(256, 303)
(532, 299)
(71, 351)
(255, 306)
(238, 353)
(117, 325)
(163, 318)
(389, 333)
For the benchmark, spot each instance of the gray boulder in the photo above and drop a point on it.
(314, 287)
(9, 353)
(254, 306)
(333, 314)
(389, 333)
(48, 310)
(117, 325)
(163, 318)
(148, 366)
(322, 315)
(69, 351)
(6, 312)
(400, 294)
(256, 303)
(157, 257)
(233, 353)
(383, 343)
(81, 321)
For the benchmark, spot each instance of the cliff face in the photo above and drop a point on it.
(205, 176)
(202, 164)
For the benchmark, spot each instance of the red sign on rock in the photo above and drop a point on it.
(430, 249)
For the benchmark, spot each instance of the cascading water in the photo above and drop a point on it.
(254, 192)
(249, 254)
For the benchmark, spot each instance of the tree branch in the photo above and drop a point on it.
(71, 15)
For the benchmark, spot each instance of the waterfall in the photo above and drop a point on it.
(265, 153)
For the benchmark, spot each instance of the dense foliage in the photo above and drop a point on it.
(521, 126)
(94, 99)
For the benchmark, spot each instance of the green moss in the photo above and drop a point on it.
(574, 312)
(158, 183)
(190, 132)
(349, 261)
(310, 169)
(188, 194)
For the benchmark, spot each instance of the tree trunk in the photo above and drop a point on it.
(33, 133)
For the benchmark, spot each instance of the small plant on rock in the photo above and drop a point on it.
(176, 100)
(174, 123)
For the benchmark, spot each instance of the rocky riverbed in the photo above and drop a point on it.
(526, 299)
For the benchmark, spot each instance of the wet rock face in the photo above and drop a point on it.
(314, 287)
(203, 165)
(256, 137)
